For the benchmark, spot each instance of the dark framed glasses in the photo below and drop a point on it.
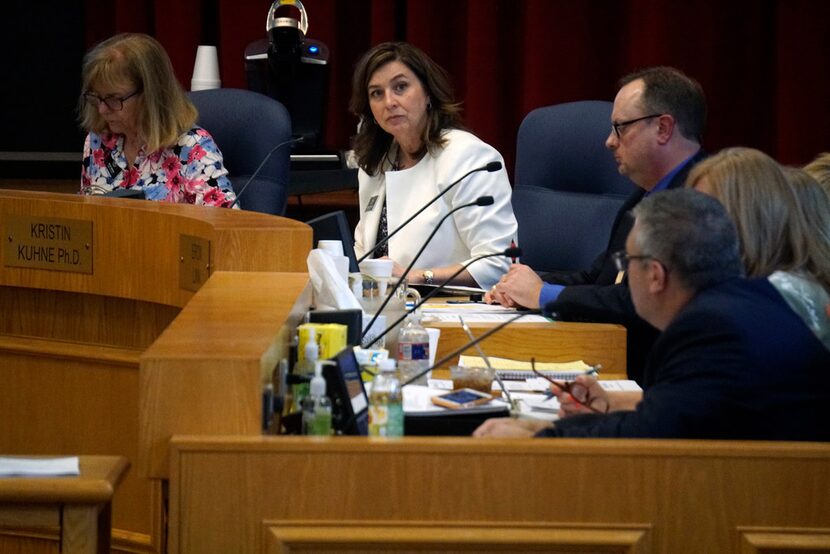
(622, 258)
(620, 124)
(114, 103)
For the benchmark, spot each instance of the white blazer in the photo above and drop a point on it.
(468, 233)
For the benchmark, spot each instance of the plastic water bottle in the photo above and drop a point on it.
(386, 403)
(305, 368)
(317, 406)
(413, 350)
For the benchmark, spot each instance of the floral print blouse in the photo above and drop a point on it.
(190, 172)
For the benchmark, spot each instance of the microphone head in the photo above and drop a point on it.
(493, 166)
(513, 252)
(484, 201)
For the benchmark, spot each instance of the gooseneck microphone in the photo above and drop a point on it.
(261, 165)
(458, 351)
(490, 167)
(480, 201)
(510, 252)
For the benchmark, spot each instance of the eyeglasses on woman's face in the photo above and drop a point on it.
(114, 103)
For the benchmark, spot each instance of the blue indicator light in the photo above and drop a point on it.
(313, 49)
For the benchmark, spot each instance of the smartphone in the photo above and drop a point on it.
(461, 398)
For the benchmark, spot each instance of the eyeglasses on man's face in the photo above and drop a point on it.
(114, 103)
(622, 259)
(620, 124)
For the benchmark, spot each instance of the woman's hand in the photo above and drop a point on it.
(397, 269)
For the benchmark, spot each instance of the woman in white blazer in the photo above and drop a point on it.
(410, 148)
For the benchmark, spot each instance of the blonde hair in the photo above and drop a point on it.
(820, 169)
(164, 111)
(814, 204)
(773, 223)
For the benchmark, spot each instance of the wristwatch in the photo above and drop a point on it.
(429, 277)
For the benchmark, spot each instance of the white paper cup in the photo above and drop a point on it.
(380, 270)
(334, 247)
(206, 69)
(377, 268)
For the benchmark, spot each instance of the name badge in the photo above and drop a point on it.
(372, 201)
(112, 166)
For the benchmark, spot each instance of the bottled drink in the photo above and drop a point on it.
(305, 368)
(413, 349)
(386, 403)
(317, 406)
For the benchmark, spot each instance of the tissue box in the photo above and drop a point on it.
(330, 336)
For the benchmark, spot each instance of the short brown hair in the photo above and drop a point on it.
(372, 143)
(137, 59)
(669, 90)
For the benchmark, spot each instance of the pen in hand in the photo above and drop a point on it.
(565, 386)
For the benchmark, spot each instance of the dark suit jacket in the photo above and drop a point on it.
(592, 295)
(736, 363)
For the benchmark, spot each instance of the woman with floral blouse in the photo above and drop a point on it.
(141, 128)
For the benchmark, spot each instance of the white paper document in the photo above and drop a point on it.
(25, 467)
(481, 317)
(461, 307)
(541, 403)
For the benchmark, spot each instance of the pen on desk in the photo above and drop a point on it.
(463, 301)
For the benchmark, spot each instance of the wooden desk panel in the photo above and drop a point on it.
(144, 236)
(78, 506)
(204, 374)
(594, 343)
(70, 343)
(247, 495)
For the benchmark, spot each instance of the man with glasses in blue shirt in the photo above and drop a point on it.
(657, 125)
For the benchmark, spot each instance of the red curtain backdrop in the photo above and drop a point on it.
(764, 64)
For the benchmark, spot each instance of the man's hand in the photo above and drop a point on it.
(520, 286)
(585, 392)
(509, 428)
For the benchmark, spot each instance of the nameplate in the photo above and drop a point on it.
(194, 262)
(48, 243)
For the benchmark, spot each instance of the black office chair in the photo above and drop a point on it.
(246, 125)
(567, 189)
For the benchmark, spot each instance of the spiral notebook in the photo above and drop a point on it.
(515, 370)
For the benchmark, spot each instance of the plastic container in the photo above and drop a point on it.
(386, 402)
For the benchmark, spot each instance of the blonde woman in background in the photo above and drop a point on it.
(141, 127)
(783, 221)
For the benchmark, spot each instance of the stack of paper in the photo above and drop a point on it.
(23, 467)
(519, 370)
